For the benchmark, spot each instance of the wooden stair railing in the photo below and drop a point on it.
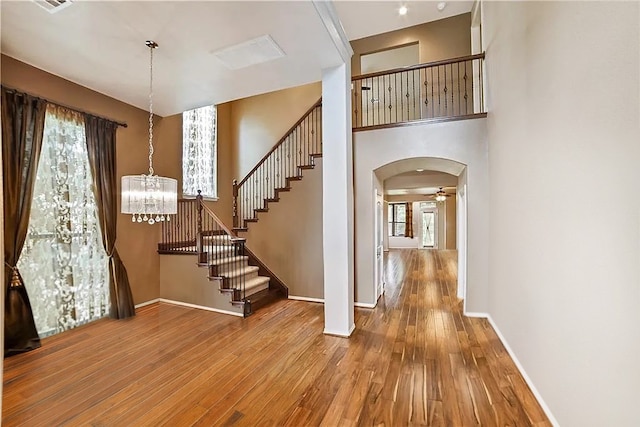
(197, 230)
(435, 91)
(284, 163)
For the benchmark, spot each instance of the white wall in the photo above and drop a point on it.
(460, 141)
(563, 95)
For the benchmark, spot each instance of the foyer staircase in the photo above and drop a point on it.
(295, 152)
(196, 230)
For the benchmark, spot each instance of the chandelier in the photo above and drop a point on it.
(149, 198)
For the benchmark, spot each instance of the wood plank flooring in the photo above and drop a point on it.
(414, 360)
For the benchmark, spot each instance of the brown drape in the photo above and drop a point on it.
(101, 146)
(409, 225)
(22, 130)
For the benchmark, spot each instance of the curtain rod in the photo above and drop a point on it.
(9, 89)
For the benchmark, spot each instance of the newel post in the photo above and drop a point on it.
(235, 203)
(199, 223)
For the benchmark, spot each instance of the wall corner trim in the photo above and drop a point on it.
(329, 17)
(535, 392)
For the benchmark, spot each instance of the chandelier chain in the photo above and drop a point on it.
(151, 47)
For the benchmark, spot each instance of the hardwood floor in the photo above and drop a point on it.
(414, 360)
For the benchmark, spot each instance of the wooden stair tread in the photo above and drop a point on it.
(243, 271)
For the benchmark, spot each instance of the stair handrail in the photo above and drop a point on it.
(251, 196)
(280, 141)
(215, 217)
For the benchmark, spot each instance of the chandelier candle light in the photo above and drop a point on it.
(149, 198)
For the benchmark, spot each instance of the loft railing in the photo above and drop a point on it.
(284, 163)
(195, 229)
(435, 90)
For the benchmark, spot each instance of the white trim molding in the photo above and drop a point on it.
(321, 301)
(535, 392)
(475, 314)
(364, 305)
(526, 377)
(200, 307)
(307, 299)
(143, 304)
(331, 22)
(340, 334)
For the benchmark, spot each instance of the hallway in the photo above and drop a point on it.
(412, 360)
(450, 370)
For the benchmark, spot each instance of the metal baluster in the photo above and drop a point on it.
(466, 95)
(459, 103)
(453, 112)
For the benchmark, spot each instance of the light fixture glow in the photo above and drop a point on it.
(403, 10)
(419, 170)
(441, 5)
(149, 198)
(441, 196)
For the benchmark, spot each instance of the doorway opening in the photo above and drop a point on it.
(429, 229)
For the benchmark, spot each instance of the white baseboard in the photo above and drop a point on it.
(476, 314)
(535, 392)
(142, 304)
(340, 334)
(200, 307)
(364, 305)
(307, 299)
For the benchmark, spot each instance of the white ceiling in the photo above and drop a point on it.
(363, 18)
(100, 44)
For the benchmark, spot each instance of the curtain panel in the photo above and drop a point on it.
(409, 219)
(22, 130)
(101, 146)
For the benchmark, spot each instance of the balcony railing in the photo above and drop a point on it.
(433, 91)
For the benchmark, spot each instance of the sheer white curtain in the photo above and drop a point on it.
(63, 262)
(199, 152)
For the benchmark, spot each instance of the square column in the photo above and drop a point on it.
(337, 201)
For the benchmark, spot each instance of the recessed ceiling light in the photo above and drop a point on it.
(403, 10)
(419, 170)
(442, 5)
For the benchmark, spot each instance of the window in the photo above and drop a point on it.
(397, 219)
(63, 261)
(199, 152)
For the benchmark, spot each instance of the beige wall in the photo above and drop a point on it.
(257, 123)
(565, 274)
(443, 39)
(288, 238)
(137, 243)
(450, 222)
(181, 280)
(169, 130)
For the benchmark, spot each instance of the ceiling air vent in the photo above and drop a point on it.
(250, 52)
(53, 6)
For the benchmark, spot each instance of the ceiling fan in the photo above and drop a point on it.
(440, 195)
